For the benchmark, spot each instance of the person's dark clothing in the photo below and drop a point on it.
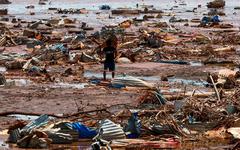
(109, 65)
(109, 58)
(109, 54)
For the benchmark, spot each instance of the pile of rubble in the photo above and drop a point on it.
(5, 2)
(165, 122)
(216, 4)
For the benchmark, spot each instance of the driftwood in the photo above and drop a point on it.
(49, 114)
(125, 11)
(225, 49)
(128, 43)
(215, 88)
(175, 96)
(179, 96)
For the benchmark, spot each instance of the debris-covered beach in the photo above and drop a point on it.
(176, 74)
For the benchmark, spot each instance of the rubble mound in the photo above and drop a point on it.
(216, 4)
(5, 2)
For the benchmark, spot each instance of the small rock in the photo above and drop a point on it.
(124, 60)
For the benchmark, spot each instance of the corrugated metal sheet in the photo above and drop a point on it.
(131, 81)
(42, 120)
(73, 133)
(109, 130)
(14, 136)
(60, 138)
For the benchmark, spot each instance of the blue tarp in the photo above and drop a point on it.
(214, 19)
(59, 47)
(83, 131)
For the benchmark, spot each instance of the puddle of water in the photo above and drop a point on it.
(77, 145)
(88, 74)
(3, 69)
(149, 78)
(26, 117)
(18, 82)
(69, 85)
(188, 82)
(196, 64)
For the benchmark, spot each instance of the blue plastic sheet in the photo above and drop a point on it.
(207, 20)
(83, 131)
(215, 19)
(60, 47)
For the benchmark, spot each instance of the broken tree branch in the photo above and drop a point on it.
(215, 88)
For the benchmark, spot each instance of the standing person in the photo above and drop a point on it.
(110, 55)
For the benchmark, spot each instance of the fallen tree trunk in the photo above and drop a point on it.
(49, 114)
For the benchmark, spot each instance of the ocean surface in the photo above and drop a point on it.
(18, 6)
(18, 9)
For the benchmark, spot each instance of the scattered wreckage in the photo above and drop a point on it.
(163, 118)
